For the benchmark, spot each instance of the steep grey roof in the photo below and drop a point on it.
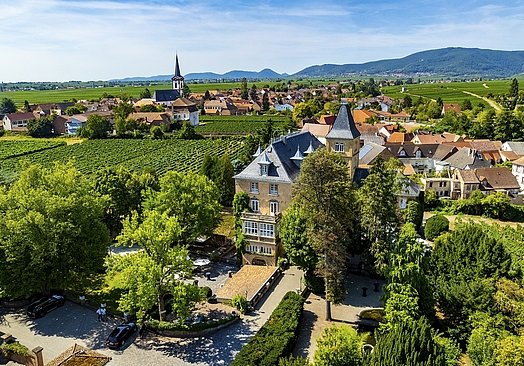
(467, 158)
(409, 188)
(516, 147)
(282, 168)
(344, 126)
(444, 151)
(166, 95)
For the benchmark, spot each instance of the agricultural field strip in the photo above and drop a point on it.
(162, 155)
(14, 148)
(451, 92)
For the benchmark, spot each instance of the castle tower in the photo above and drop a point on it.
(344, 138)
(177, 80)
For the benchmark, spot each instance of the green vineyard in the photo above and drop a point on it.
(137, 155)
(234, 124)
(14, 148)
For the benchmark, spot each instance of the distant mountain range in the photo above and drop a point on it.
(450, 62)
(235, 74)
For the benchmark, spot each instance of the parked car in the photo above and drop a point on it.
(120, 334)
(44, 305)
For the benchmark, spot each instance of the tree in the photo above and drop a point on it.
(435, 226)
(124, 191)
(265, 102)
(157, 133)
(407, 102)
(124, 109)
(414, 213)
(193, 199)
(224, 180)
(75, 109)
(27, 107)
(253, 93)
(51, 231)
(152, 108)
(301, 111)
(7, 106)
(406, 268)
(417, 346)
(148, 275)
(326, 195)
(186, 91)
(507, 127)
(40, 127)
(96, 127)
(244, 90)
(187, 132)
(339, 346)
(378, 210)
(146, 94)
(514, 88)
(207, 96)
(294, 234)
(209, 163)
(510, 351)
(466, 105)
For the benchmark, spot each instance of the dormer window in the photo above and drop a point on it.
(264, 164)
(418, 154)
(402, 153)
(339, 147)
(263, 170)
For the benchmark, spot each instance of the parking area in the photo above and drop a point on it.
(72, 323)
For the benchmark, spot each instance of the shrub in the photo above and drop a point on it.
(157, 325)
(276, 339)
(14, 348)
(240, 303)
(339, 346)
(206, 292)
(435, 226)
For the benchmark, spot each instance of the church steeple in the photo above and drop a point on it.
(177, 67)
(177, 80)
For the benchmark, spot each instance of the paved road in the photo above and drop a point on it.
(72, 323)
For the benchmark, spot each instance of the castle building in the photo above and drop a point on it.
(269, 178)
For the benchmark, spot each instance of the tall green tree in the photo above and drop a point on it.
(294, 233)
(7, 106)
(193, 199)
(265, 102)
(27, 107)
(186, 91)
(40, 127)
(96, 127)
(379, 218)
(407, 266)
(224, 180)
(326, 195)
(145, 94)
(244, 90)
(51, 231)
(147, 276)
(410, 343)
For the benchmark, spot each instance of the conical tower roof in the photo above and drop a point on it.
(344, 126)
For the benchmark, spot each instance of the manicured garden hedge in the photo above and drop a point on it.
(276, 338)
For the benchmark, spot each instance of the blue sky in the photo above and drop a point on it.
(60, 40)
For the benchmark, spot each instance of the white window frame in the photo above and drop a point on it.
(264, 170)
(273, 189)
(254, 204)
(403, 203)
(267, 230)
(273, 208)
(250, 228)
(339, 147)
(253, 187)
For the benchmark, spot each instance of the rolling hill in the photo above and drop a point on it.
(452, 61)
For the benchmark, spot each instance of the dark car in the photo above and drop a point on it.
(120, 334)
(44, 305)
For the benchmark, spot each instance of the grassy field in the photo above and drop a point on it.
(451, 92)
(60, 95)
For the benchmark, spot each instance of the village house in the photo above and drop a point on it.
(17, 121)
(518, 171)
(183, 109)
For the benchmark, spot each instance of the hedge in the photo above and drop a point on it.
(156, 325)
(277, 336)
(435, 226)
